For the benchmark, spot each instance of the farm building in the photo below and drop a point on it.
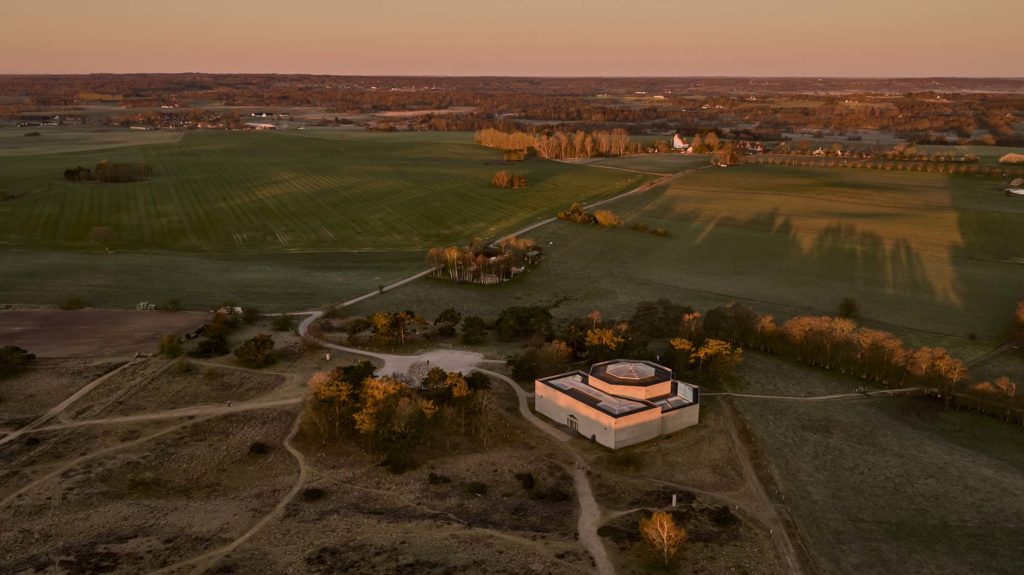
(678, 143)
(620, 402)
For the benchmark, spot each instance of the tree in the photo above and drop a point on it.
(446, 322)
(14, 358)
(553, 358)
(257, 351)
(473, 330)
(607, 219)
(282, 323)
(170, 346)
(662, 535)
(602, 343)
(849, 308)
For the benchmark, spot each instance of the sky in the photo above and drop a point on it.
(849, 38)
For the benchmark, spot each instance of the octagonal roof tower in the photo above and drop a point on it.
(632, 378)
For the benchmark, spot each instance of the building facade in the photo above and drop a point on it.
(620, 402)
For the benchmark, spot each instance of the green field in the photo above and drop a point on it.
(890, 485)
(654, 163)
(54, 140)
(232, 192)
(939, 254)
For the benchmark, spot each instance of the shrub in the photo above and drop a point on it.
(526, 479)
(214, 345)
(1012, 159)
(311, 494)
(259, 448)
(257, 351)
(607, 219)
(72, 303)
(435, 479)
(476, 488)
(283, 323)
(849, 308)
(14, 358)
(250, 315)
(473, 330)
(170, 346)
(398, 461)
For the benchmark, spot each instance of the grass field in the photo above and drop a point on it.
(271, 282)
(923, 251)
(656, 163)
(296, 191)
(892, 485)
(14, 143)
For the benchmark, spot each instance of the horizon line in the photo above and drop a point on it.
(544, 76)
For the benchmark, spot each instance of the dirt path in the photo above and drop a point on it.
(60, 407)
(194, 411)
(209, 559)
(881, 392)
(82, 459)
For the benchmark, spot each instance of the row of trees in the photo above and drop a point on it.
(484, 263)
(560, 144)
(393, 416)
(604, 218)
(900, 166)
(109, 172)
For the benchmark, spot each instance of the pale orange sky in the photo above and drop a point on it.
(517, 37)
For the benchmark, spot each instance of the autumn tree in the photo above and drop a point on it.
(607, 219)
(257, 351)
(602, 343)
(553, 358)
(662, 535)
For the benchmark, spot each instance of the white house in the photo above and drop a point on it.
(678, 143)
(620, 402)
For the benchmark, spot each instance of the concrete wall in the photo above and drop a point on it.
(633, 391)
(637, 428)
(680, 419)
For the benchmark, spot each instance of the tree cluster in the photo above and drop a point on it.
(506, 180)
(109, 172)
(393, 417)
(562, 145)
(484, 263)
(604, 218)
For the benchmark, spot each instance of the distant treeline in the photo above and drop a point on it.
(928, 166)
(109, 172)
(562, 145)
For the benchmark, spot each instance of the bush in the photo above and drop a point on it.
(849, 308)
(311, 494)
(398, 461)
(14, 358)
(259, 448)
(170, 346)
(435, 479)
(214, 345)
(526, 479)
(250, 315)
(72, 303)
(257, 351)
(1012, 159)
(283, 323)
(607, 219)
(476, 488)
(473, 330)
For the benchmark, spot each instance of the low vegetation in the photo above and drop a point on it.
(110, 173)
(484, 263)
(13, 359)
(506, 180)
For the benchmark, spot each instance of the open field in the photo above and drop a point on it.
(92, 332)
(655, 163)
(886, 485)
(271, 282)
(285, 192)
(939, 254)
(67, 140)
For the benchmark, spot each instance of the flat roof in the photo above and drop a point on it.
(574, 384)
